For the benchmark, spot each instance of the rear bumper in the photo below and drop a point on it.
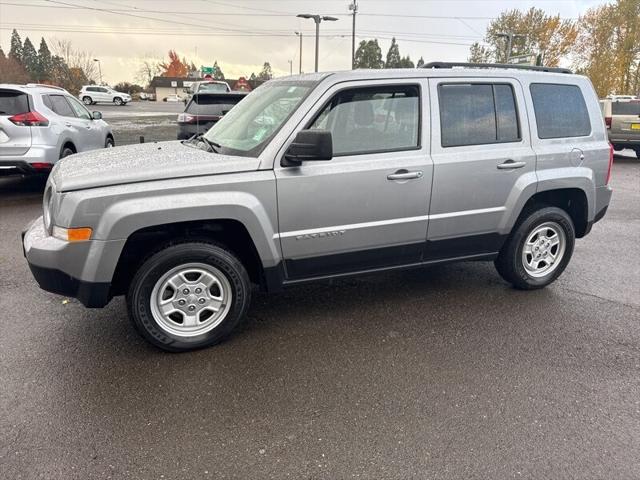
(41, 155)
(188, 130)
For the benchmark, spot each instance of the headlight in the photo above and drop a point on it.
(47, 205)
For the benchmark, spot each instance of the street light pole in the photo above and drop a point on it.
(317, 19)
(354, 8)
(99, 69)
(290, 67)
(300, 60)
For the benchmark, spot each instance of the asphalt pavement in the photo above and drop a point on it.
(442, 373)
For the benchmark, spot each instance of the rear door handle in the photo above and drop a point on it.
(510, 164)
(404, 175)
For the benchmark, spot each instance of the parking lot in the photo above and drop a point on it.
(439, 373)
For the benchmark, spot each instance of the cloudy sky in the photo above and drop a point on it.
(242, 34)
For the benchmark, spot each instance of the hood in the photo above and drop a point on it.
(142, 163)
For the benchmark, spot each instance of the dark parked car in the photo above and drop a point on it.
(204, 110)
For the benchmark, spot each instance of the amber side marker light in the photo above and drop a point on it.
(72, 234)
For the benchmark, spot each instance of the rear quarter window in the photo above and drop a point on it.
(560, 111)
(12, 102)
(625, 108)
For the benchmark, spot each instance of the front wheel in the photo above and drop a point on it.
(118, 101)
(188, 296)
(109, 143)
(538, 250)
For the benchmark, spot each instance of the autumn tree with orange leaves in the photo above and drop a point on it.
(176, 67)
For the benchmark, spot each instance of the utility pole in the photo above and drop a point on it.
(99, 69)
(300, 67)
(290, 67)
(354, 8)
(509, 36)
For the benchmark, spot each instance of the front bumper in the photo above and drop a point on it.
(49, 257)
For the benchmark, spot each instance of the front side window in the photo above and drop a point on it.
(79, 109)
(249, 126)
(560, 111)
(477, 114)
(60, 105)
(369, 120)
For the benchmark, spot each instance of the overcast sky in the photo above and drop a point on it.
(242, 34)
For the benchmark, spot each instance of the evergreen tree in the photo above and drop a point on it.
(393, 55)
(2, 55)
(217, 71)
(266, 73)
(30, 59)
(368, 55)
(420, 62)
(406, 62)
(16, 47)
(44, 61)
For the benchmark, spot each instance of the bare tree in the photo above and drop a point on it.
(75, 58)
(149, 68)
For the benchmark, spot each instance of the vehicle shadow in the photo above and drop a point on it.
(22, 187)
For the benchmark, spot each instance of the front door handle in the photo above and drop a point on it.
(405, 175)
(510, 164)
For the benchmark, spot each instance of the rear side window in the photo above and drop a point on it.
(60, 105)
(477, 114)
(560, 111)
(625, 108)
(12, 102)
(212, 105)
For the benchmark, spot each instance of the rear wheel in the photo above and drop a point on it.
(118, 101)
(109, 143)
(538, 250)
(87, 100)
(189, 296)
(66, 151)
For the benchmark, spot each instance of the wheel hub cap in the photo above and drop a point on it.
(191, 299)
(544, 249)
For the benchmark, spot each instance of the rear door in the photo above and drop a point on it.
(15, 140)
(482, 154)
(76, 128)
(625, 121)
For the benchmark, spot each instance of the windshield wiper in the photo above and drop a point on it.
(213, 146)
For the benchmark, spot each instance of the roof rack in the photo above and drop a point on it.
(496, 65)
(43, 85)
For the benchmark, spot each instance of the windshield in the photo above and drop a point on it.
(213, 87)
(249, 126)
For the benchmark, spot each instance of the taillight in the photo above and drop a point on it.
(186, 118)
(41, 166)
(607, 121)
(29, 119)
(610, 164)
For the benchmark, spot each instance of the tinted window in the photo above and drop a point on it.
(78, 108)
(212, 105)
(12, 102)
(477, 114)
(560, 111)
(370, 120)
(92, 89)
(61, 106)
(625, 108)
(213, 87)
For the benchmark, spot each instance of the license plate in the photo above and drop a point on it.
(635, 126)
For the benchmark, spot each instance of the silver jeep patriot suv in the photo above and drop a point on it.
(327, 175)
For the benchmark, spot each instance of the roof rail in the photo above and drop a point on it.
(44, 85)
(496, 65)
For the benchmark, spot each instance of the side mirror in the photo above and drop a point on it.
(96, 116)
(309, 145)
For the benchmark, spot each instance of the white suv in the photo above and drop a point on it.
(92, 94)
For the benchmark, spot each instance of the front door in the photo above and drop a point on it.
(482, 154)
(367, 208)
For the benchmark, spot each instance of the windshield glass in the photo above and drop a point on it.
(213, 87)
(249, 126)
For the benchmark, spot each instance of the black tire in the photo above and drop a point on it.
(66, 151)
(109, 142)
(638, 153)
(118, 101)
(139, 297)
(510, 263)
(87, 100)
